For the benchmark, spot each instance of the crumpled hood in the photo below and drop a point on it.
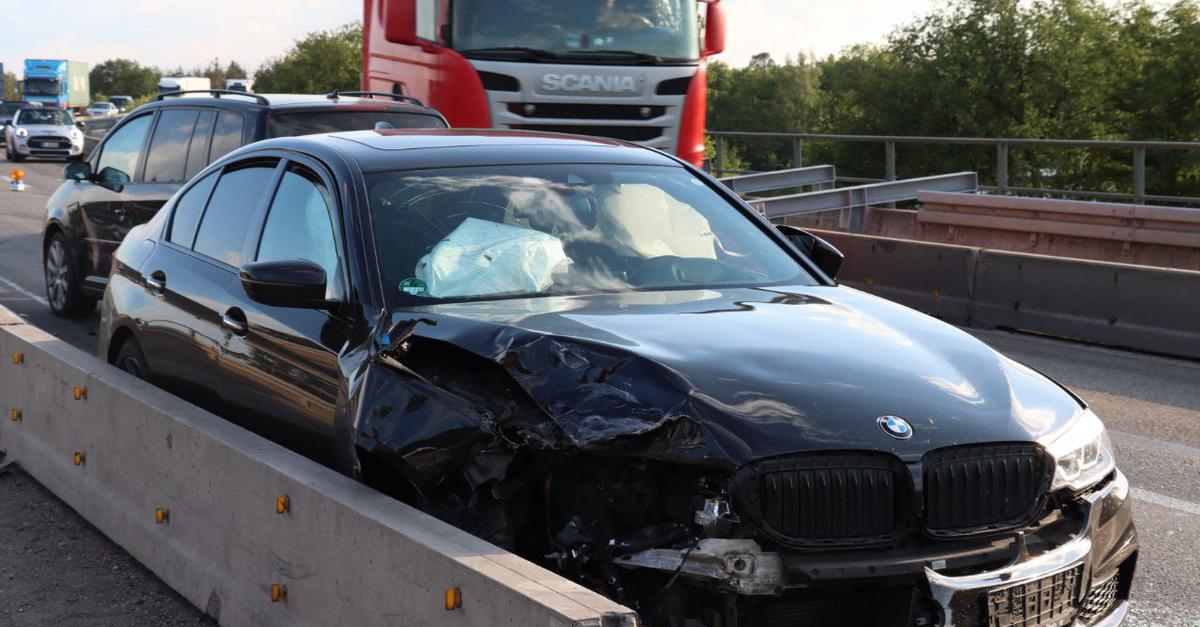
(747, 373)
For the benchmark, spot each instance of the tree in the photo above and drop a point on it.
(10, 87)
(318, 63)
(123, 77)
(235, 70)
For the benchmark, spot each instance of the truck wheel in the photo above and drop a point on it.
(63, 293)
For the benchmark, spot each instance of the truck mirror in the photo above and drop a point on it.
(400, 22)
(714, 29)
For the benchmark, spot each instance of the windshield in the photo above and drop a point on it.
(535, 230)
(332, 121)
(53, 117)
(41, 87)
(579, 29)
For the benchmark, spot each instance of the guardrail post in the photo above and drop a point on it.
(889, 150)
(797, 153)
(1002, 167)
(1139, 174)
(720, 165)
(858, 212)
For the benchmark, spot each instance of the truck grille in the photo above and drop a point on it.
(971, 489)
(830, 499)
(625, 133)
(581, 111)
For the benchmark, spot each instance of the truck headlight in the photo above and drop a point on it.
(22, 132)
(1083, 455)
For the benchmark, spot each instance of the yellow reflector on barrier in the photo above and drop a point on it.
(80, 393)
(18, 359)
(283, 504)
(278, 593)
(79, 459)
(16, 415)
(453, 598)
(161, 516)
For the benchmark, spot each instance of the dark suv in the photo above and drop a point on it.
(149, 155)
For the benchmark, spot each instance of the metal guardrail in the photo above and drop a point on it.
(853, 202)
(1002, 145)
(821, 176)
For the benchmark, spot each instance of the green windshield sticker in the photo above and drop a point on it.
(413, 287)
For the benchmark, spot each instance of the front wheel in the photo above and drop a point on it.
(63, 292)
(15, 157)
(131, 360)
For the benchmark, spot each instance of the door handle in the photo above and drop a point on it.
(235, 321)
(157, 280)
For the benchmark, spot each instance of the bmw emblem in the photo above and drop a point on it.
(895, 426)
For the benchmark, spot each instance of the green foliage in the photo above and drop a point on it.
(990, 68)
(318, 63)
(10, 87)
(122, 77)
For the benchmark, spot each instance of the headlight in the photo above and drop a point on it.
(22, 132)
(1083, 455)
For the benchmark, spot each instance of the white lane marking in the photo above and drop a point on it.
(1187, 507)
(24, 292)
(1144, 440)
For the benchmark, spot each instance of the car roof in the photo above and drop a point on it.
(242, 100)
(401, 149)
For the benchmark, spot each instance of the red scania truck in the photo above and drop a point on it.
(626, 69)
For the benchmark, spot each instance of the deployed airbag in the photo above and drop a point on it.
(481, 257)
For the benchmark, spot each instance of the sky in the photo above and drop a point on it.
(168, 33)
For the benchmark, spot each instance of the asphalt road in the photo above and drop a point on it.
(1151, 405)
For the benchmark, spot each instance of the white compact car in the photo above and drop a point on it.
(43, 133)
(102, 110)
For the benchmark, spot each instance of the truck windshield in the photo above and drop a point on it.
(608, 31)
(537, 230)
(332, 121)
(53, 117)
(41, 87)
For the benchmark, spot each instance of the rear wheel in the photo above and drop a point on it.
(63, 292)
(131, 360)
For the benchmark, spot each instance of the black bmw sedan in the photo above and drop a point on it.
(593, 354)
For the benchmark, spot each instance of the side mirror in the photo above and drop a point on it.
(714, 29)
(77, 171)
(400, 22)
(80, 125)
(827, 258)
(293, 283)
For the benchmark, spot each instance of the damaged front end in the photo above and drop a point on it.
(626, 472)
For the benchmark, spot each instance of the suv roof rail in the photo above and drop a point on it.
(216, 93)
(335, 94)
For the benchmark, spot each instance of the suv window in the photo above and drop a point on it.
(119, 155)
(197, 156)
(330, 121)
(227, 136)
(167, 155)
(188, 210)
(230, 212)
(300, 223)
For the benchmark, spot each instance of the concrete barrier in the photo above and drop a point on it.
(1150, 309)
(117, 450)
(934, 278)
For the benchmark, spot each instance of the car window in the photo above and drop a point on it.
(300, 223)
(475, 232)
(188, 209)
(331, 121)
(53, 117)
(230, 210)
(227, 136)
(197, 156)
(119, 154)
(167, 156)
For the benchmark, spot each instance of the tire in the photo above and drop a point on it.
(63, 292)
(131, 359)
(16, 157)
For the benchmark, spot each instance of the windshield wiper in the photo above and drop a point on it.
(615, 54)
(524, 51)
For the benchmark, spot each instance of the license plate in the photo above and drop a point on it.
(1047, 602)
